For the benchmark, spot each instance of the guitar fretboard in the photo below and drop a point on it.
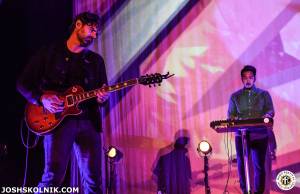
(93, 93)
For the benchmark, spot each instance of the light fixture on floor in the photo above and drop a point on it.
(113, 155)
(204, 149)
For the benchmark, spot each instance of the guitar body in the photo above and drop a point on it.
(41, 121)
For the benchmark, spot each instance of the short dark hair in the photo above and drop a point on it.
(248, 68)
(86, 18)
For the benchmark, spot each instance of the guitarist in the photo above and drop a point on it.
(57, 68)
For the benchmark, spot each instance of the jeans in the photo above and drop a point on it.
(81, 136)
(257, 149)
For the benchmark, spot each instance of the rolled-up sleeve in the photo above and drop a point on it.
(268, 105)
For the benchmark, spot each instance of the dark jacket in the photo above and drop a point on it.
(56, 68)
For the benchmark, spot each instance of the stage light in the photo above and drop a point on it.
(266, 120)
(204, 147)
(113, 153)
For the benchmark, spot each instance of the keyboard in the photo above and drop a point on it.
(231, 125)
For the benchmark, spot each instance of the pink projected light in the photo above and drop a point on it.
(206, 50)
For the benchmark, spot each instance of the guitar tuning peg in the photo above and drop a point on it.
(159, 84)
(149, 85)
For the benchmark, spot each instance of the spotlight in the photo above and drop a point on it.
(266, 120)
(204, 147)
(114, 154)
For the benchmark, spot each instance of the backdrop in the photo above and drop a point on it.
(205, 44)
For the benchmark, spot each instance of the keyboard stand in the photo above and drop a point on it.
(246, 159)
(231, 125)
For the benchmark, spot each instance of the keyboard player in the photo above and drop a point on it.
(246, 103)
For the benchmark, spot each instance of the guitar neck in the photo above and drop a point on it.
(153, 79)
(93, 93)
(119, 86)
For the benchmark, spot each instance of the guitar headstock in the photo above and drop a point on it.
(152, 79)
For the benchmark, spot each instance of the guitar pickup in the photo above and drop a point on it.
(70, 100)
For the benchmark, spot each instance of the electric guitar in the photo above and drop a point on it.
(41, 121)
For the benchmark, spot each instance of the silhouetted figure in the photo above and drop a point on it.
(173, 169)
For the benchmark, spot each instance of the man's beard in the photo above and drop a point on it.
(248, 85)
(85, 42)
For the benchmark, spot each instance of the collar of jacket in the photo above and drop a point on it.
(253, 89)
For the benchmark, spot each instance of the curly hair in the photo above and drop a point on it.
(86, 18)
